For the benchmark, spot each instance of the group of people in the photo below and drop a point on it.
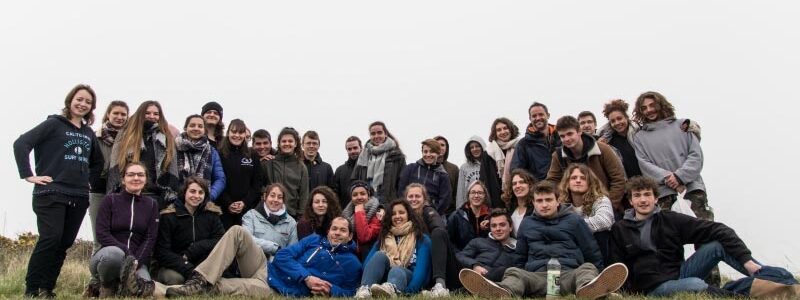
(210, 210)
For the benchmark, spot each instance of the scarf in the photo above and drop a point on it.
(374, 158)
(370, 208)
(193, 156)
(274, 217)
(108, 133)
(497, 150)
(399, 253)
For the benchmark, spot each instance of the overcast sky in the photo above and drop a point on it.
(430, 68)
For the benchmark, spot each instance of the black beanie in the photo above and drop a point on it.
(212, 106)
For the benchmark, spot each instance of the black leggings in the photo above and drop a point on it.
(58, 219)
(443, 259)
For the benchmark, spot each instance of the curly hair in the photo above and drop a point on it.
(595, 192)
(665, 109)
(511, 127)
(616, 105)
(333, 211)
(508, 196)
(415, 219)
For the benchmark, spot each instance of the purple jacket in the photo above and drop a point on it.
(129, 222)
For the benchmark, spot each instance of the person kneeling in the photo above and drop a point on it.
(553, 231)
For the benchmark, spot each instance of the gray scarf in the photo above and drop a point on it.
(374, 158)
(193, 156)
(370, 207)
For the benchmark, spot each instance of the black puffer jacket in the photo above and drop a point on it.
(565, 237)
(488, 253)
(651, 265)
(463, 226)
(181, 233)
(342, 180)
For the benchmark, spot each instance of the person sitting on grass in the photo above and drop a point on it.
(491, 256)
(553, 231)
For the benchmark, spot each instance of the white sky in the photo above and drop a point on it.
(429, 68)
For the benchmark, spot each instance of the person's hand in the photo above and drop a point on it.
(236, 207)
(480, 270)
(752, 267)
(185, 258)
(380, 213)
(603, 140)
(359, 207)
(40, 180)
(268, 157)
(672, 181)
(318, 286)
(485, 224)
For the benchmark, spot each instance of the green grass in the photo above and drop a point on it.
(75, 274)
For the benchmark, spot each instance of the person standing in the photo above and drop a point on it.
(212, 114)
(534, 152)
(243, 176)
(503, 138)
(380, 163)
(113, 120)
(287, 169)
(320, 173)
(342, 176)
(452, 171)
(430, 173)
(67, 154)
(197, 157)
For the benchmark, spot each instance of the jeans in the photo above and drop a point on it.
(94, 205)
(697, 267)
(58, 219)
(377, 270)
(105, 266)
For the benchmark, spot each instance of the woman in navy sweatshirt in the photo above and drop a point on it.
(66, 153)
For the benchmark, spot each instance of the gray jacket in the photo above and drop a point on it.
(270, 238)
(663, 147)
(469, 172)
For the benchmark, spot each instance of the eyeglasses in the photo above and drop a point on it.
(134, 174)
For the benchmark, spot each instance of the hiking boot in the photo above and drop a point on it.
(384, 290)
(363, 292)
(46, 294)
(438, 290)
(608, 281)
(130, 283)
(92, 289)
(196, 285)
(479, 286)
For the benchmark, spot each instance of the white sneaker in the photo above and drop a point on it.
(438, 290)
(608, 281)
(363, 292)
(479, 286)
(384, 290)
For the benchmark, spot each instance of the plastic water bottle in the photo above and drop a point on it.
(553, 279)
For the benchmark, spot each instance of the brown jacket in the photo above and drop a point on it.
(603, 162)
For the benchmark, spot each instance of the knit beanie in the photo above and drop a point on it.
(212, 106)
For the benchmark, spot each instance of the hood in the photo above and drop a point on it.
(590, 148)
(530, 134)
(438, 167)
(65, 120)
(467, 153)
(564, 209)
(512, 242)
(447, 151)
(630, 214)
(652, 126)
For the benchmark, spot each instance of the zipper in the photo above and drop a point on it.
(130, 235)
(194, 238)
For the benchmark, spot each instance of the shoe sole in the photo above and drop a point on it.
(609, 281)
(480, 286)
(379, 292)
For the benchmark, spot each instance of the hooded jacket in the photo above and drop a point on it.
(183, 233)
(433, 177)
(129, 222)
(243, 183)
(269, 237)
(565, 237)
(663, 148)
(68, 154)
(315, 256)
(655, 256)
(319, 173)
(535, 150)
(601, 159)
(290, 171)
(452, 171)
(483, 169)
(489, 253)
(463, 225)
(342, 181)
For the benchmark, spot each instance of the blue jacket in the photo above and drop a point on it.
(434, 178)
(565, 237)
(217, 175)
(534, 152)
(420, 265)
(314, 256)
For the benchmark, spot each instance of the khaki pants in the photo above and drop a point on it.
(522, 283)
(237, 244)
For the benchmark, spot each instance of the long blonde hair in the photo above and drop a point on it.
(132, 135)
(595, 191)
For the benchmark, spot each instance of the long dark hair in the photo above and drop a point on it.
(386, 223)
(237, 125)
(508, 193)
(320, 225)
